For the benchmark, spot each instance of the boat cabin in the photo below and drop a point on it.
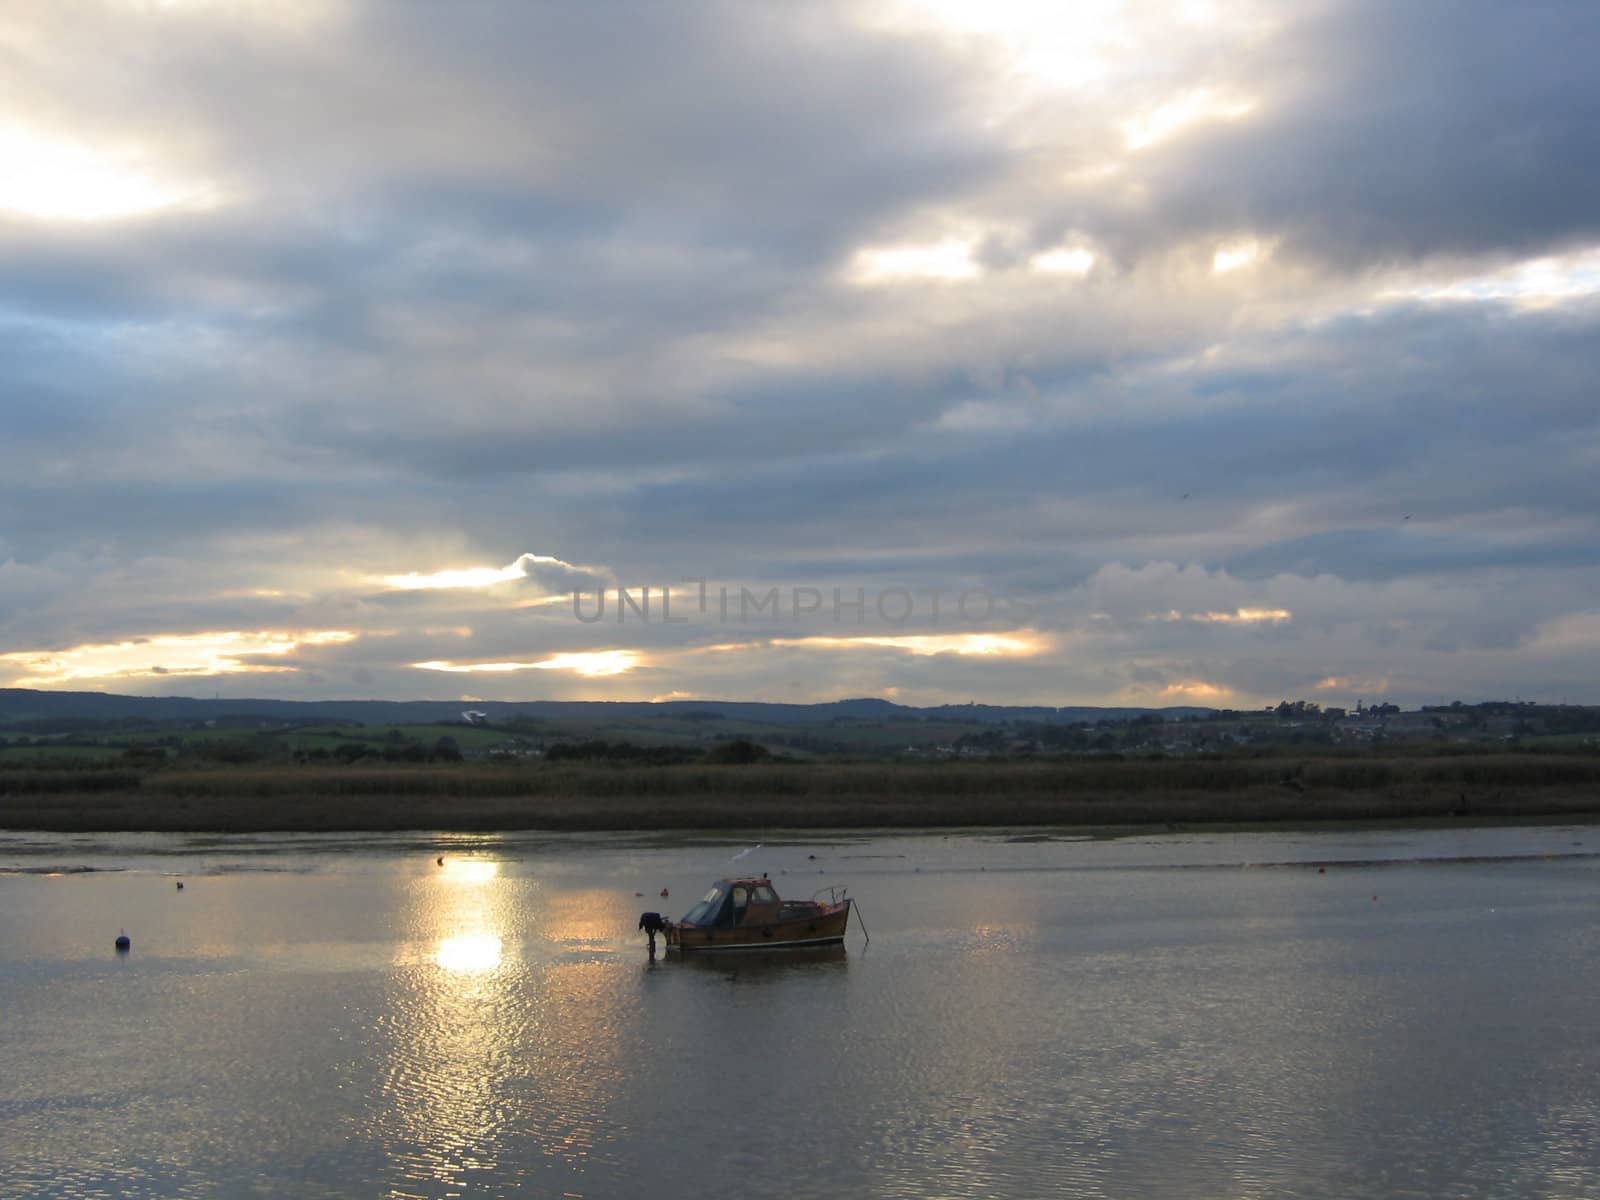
(734, 902)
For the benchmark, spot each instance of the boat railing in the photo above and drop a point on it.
(837, 894)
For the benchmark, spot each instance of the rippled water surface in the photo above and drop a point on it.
(1396, 1013)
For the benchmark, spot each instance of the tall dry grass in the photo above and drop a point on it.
(832, 795)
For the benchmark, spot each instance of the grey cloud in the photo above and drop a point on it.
(560, 578)
(1407, 130)
(724, 120)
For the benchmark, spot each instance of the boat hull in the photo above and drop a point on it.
(822, 928)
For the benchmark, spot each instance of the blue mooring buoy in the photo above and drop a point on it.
(124, 941)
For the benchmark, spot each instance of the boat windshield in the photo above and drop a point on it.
(706, 911)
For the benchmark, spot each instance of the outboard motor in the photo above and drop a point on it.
(652, 924)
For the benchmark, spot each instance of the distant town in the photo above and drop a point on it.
(67, 729)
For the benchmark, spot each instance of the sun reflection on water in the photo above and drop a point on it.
(470, 952)
(469, 870)
(466, 916)
(453, 1027)
(503, 1031)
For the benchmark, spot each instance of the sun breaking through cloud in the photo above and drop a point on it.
(161, 656)
(595, 664)
(1021, 644)
(1239, 616)
(50, 179)
(473, 577)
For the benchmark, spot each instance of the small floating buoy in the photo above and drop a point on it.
(440, 860)
(180, 885)
(124, 941)
(663, 891)
(1322, 870)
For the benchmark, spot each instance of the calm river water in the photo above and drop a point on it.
(1183, 1015)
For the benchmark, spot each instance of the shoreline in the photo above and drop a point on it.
(839, 796)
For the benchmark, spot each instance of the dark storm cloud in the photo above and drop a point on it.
(1438, 413)
(1405, 130)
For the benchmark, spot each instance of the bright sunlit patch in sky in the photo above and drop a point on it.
(218, 653)
(950, 260)
(1197, 690)
(1234, 255)
(1074, 260)
(1042, 41)
(50, 180)
(465, 577)
(590, 664)
(1020, 644)
(1198, 107)
(1239, 616)
(1535, 282)
(1247, 616)
(470, 577)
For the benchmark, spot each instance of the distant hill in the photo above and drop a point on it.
(22, 704)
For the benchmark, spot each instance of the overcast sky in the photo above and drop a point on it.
(1049, 353)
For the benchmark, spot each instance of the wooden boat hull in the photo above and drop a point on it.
(824, 927)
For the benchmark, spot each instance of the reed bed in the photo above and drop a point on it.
(814, 796)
